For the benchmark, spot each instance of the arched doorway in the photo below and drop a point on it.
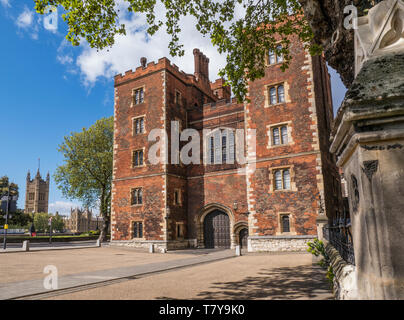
(243, 236)
(216, 229)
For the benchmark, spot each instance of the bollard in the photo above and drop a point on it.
(238, 251)
(151, 248)
(98, 244)
(25, 245)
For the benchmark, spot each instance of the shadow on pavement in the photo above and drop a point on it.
(286, 283)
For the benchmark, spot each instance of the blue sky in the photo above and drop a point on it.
(49, 89)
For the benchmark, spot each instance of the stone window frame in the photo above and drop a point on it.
(133, 95)
(134, 134)
(272, 170)
(31, 196)
(131, 231)
(267, 62)
(180, 128)
(267, 97)
(179, 197)
(176, 102)
(133, 158)
(272, 126)
(180, 224)
(292, 227)
(131, 194)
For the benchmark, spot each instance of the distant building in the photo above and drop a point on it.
(82, 221)
(37, 194)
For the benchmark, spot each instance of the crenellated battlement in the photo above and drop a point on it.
(162, 63)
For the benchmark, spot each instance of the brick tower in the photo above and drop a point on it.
(37, 194)
(271, 202)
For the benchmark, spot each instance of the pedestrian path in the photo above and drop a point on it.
(28, 288)
(41, 246)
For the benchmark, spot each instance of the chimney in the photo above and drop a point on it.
(207, 68)
(197, 62)
(203, 65)
(143, 62)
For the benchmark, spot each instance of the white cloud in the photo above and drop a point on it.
(25, 19)
(5, 3)
(62, 207)
(26, 22)
(65, 59)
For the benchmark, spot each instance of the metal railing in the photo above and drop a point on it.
(341, 238)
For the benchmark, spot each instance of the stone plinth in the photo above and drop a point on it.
(368, 140)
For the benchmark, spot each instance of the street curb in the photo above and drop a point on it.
(47, 249)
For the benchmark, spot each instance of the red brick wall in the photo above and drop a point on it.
(304, 155)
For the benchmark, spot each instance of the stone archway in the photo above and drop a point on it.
(216, 230)
(204, 212)
(240, 232)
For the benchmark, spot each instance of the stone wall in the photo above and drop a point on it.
(345, 277)
(278, 243)
(159, 246)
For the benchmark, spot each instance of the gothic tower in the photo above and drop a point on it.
(37, 194)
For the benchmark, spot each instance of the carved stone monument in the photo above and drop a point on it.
(368, 139)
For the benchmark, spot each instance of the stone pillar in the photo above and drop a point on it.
(321, 221)
(25, 245)
(368, 139)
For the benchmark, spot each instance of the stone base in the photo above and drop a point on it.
(285, 243)
(159, 245)
(345, 277)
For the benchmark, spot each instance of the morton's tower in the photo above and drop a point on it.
(37, 194)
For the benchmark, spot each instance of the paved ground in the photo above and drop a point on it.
(261, 276)
(119, 273)
(30, 265)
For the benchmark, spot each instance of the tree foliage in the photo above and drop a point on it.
(17, 220)
(86, 174)
(244, 40)
(41, 222)
(6, 185)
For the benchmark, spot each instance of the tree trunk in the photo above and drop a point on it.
(104, 211)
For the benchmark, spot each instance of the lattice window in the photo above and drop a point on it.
(138, 96)
(136, 196)
(273, 57)
(137, 229)
(137, 158)
(282, 179)
(280, 135)
(277, 94)
(221, 146)
(138, 125)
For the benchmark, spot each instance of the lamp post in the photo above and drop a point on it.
(6, 224)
